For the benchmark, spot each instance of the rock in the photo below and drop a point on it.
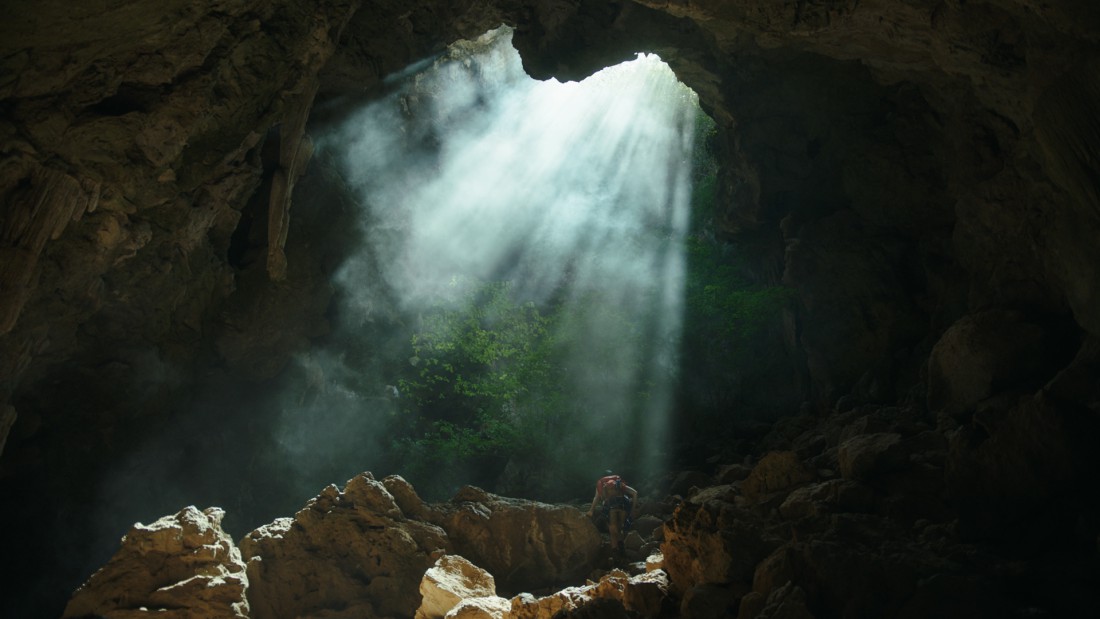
(733, 472)
(850, 577)
(481, 608)
(645, 595)
(646, 525)
(827, 497)
(710, 602)
(524, 544)
(714, 543)
(786, 602)
(350, 550)
(1029, 455)
(684, 481)
(633, 542)
(867, 456)
(183, 565)
(973, 359)
(406, 498)
(778, 470)
(448, 582)
(655, 561)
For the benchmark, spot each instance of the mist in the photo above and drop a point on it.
(554, 213)
(573, 195)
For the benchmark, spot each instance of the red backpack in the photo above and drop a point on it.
(612, 483)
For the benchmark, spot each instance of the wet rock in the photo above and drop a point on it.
(182, 565)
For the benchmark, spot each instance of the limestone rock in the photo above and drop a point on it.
(776, 471)
(714, 543)
(974, 359)
(492, 607)
(710, 602)
(867, 455)
(827, 497)
(786, 602)
(406, 497)
(346, 553)
(450, 581)
(182, 565)
(645, 595)
(525, 544)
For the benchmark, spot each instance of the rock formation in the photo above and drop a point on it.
(183, 565)
(922, 174)
(360, 552)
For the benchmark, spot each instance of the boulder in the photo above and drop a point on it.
(869, 455)
(710, 602)
(180, 566)
(714, 543)
(349, 552)
(644, 595)
(491, 607)
(981, 354)
(524, 544)
(448, 582)
(786, 602)
(778, 470)
(834, 495)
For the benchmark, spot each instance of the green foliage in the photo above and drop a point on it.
(721, 299)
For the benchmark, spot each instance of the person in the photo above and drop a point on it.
(619, 504)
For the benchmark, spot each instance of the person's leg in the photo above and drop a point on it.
(615, 522)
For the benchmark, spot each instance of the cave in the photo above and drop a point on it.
(912, 433)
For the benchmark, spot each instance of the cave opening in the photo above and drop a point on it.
(512, 316)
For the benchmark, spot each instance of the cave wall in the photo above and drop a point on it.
(922, 174)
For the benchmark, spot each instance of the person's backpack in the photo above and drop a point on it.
(609, 482)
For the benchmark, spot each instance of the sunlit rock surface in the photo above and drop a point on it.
(451, 581)
(347, 553)
(526, 543)
(183, 565)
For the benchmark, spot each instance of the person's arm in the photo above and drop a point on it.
(633, 500)
(595, 499)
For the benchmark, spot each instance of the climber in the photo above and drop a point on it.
(620, 501)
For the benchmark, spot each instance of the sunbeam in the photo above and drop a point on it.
(574, 194)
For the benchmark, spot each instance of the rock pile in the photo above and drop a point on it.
(371, 549)
(865, 513)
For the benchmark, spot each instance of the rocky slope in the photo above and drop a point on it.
(922, 174)
(858, 517)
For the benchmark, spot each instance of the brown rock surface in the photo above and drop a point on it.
(778, 470)
(522, 543)
(447, 583)
(183, 565)
(347, 553)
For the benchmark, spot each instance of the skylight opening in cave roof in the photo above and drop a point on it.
(572, 193)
